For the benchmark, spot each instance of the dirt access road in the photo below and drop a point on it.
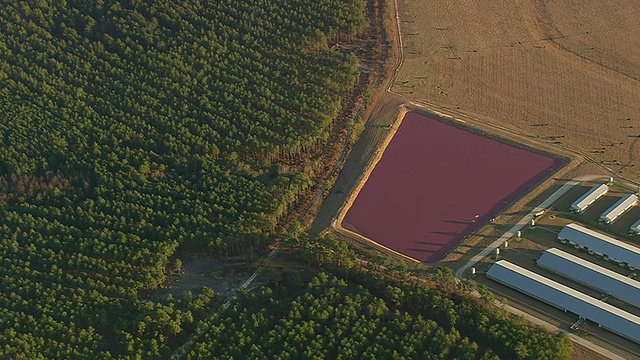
(584, 345)
(381, 112)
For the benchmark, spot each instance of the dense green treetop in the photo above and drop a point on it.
(333, 315)
(130, 128)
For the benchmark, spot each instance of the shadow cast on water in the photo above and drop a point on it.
(448, 233)
(421, 250)
(429, 243)
(462, 222)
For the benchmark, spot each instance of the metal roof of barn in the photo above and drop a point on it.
(635, 228)
(565, 298)
(617, 209)
(589, 197)
(592, 275)
(602, 244)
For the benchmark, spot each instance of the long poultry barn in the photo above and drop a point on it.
(591, 275)
(565, 298)
(600, 244)
(589, 198)
(635, 228)
(620, 207)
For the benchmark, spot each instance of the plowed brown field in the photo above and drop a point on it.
(565, 72)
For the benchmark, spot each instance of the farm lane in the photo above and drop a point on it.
(545, 205)
(576, 339)
(524, 221)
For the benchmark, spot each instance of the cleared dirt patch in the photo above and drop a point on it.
(221, 276)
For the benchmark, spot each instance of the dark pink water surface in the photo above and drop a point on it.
(437, 183)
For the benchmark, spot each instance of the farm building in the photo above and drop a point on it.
(589, 198)
(600, 244)
(565, 298)
(635, 228)
(592, 275)
(625, 203)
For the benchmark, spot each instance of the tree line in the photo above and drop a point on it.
(349, 307)
(130, 129)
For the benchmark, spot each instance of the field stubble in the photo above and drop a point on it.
(565, 73)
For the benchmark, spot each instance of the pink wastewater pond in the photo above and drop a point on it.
(437, 183)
